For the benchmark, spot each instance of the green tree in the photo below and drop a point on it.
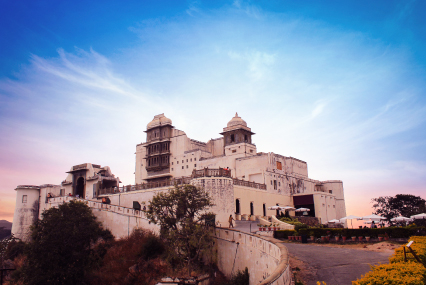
(181, 214)
(62, 245)
(401, 205)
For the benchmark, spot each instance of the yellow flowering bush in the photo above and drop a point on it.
(419, 247)
(397, 271)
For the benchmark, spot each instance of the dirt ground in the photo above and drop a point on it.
(384, 246)
(303, 272)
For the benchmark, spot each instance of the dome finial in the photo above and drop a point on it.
(236, 121)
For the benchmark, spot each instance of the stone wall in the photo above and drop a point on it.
(121, 221)
(266, 258)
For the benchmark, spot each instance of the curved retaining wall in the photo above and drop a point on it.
(266, 258)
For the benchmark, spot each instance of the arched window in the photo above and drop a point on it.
(251, 208)
(237, 206)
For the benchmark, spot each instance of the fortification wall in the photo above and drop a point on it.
(265, 258)
(121, 221)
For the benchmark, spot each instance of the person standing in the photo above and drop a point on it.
(230, 221)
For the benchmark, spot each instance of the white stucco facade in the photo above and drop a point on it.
(241, 181)
(169, 153)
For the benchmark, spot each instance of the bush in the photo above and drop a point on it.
(283, 234)
(397, 271)
(61, 250)
(394, 274)
(137, 252)
(392, 232)
(15, 247)
(419, 247)
(152, 248)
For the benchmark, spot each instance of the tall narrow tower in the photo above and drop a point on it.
(158, 133)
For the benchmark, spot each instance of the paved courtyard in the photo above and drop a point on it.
(336, 266)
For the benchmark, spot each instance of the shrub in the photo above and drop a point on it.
(283, 234)
(397, 271)
(419, 247)
(152, 248)
(394, 274)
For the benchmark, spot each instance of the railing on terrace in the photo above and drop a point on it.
(211, 172)
(99, 205)
(249, 184)
(206, 172)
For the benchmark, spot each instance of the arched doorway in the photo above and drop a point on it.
(237, 206)
(79, 188)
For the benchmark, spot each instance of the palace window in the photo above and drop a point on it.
(24, 198)
(195, 159)
(232, 138)
(195, 165)
(182, 167)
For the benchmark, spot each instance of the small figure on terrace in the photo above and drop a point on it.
(230, 221)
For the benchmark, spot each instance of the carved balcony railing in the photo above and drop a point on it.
(249, 184)
(144, 186)
(211, 172)
(206, 172)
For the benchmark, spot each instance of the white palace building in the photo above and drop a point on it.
(242, 181)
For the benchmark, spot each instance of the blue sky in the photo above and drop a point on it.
(339, 84)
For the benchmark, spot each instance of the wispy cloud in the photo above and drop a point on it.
(257, 62)
(335, 98)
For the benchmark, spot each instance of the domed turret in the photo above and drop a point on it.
(236, 131)
(159, 120)
(236, 121)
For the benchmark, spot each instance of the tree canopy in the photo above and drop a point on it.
(401, 205)
(180, 212)
(61, 246)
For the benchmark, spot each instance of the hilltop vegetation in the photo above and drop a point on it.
(68, 246)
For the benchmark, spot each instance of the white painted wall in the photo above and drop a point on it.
(265, 258)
